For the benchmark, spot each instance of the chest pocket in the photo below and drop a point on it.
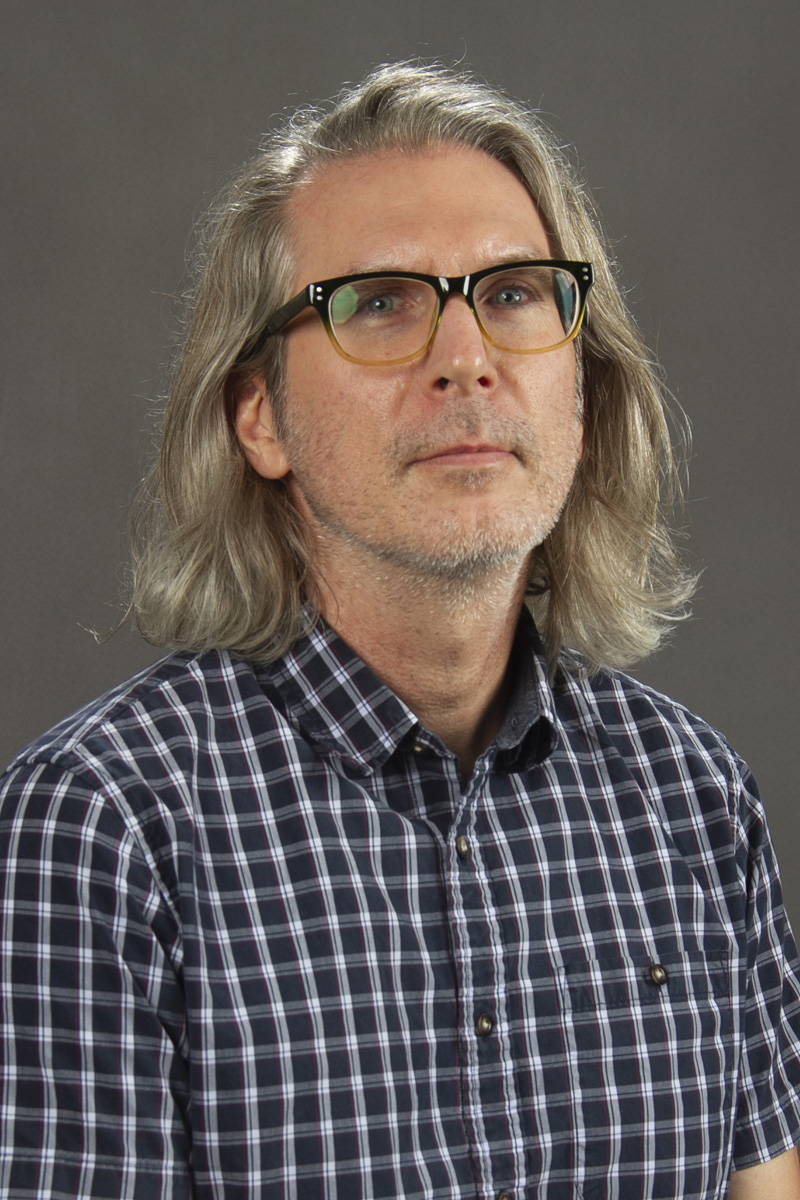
(652, 1060)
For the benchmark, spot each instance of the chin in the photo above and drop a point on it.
(456, 553)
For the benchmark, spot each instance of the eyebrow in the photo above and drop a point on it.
(378, 266)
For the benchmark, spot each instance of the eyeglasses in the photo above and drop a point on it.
(391, 317)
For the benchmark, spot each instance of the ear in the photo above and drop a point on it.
(255, 429)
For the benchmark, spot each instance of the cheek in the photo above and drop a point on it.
(334, 407)
(552, 396)
(328, 434)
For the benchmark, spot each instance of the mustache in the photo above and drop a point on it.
(466, 422)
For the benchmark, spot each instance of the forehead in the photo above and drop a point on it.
(447, 210)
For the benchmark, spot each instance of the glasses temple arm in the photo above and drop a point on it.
(286, 313)
(281, 317)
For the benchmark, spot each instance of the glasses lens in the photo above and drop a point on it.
(382, 318)
(528, 308)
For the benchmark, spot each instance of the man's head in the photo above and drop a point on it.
(417, 169)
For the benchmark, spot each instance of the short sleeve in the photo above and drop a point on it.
(93, 1066)
(768, 1109)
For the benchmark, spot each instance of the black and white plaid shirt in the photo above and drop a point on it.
(258, 941)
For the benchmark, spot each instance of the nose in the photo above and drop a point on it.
(459, 356)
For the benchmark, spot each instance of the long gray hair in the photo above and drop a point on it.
(220, 557)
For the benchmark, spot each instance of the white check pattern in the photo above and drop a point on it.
(257, 941)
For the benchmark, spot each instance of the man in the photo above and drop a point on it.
(367, 891)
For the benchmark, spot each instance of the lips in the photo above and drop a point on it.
(467, 453)
(468, 448)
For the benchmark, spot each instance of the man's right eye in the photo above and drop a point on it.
(380, 304)
(380, 300)
(351, 303)
(395, 298)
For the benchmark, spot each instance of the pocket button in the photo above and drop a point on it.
(484, 1025)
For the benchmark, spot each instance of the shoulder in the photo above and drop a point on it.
(149, 728)
(681, 761)
(141, 772)
(641, 720)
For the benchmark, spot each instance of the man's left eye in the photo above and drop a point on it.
(509, 296)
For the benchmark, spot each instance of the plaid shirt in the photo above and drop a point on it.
(258, 941)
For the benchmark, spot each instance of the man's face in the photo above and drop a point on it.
(462, 459)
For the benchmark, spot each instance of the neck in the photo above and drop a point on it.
(441, 645)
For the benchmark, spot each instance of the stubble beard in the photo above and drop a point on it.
(460, 564)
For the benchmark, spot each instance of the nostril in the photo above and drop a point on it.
(443, 383)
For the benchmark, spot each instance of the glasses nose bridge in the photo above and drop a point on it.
(454, 288)
(451, 286)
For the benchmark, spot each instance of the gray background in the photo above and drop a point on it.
(121, 120)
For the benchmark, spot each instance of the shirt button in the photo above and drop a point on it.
(504, 1196)
(484, 1025)
(462, 848)
(658, 974)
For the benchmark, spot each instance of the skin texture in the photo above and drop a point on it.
(775, 1180)
(427, 485)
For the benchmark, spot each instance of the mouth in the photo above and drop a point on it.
(466, 454)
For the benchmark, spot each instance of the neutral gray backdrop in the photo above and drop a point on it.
(122, 119)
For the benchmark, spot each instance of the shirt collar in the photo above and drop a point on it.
(341, 705)
(528, 733)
